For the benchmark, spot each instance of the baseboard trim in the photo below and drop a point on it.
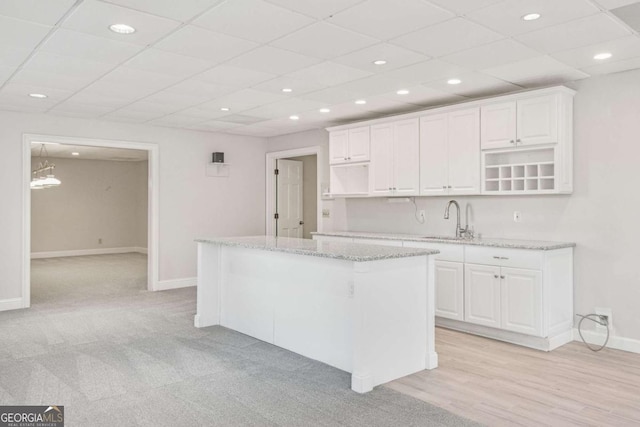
(85, 252)
(615, 342)
(165, 285)
(11, 304)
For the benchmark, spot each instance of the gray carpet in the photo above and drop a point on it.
(114, 354)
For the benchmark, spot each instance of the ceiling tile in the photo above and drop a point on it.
(385, 105)
(298, 86)
(241, 119)
(581, 32)
(323, 40)
(139, 78)
(85, 46)
(52, 80)
(463, 6)
(179, 10)
(243, 100)
(94, 17)
(425, 96)
(447, 37)
(614, 67)
(175, 120)
(176, 99)
(613, 4)
(385, 19)
(198, 88)
(256, 131)
(43, 12)
(99, 96)
(395, 56)
(630, 15)
(118, 116)
(332, 95)
(5, 73)
(542, 70)
(317, 9)
(11, 56)
(491, 55)
(475, 85)
(151, 108)
(424, 72)
(169, 63)
(582, 57)
(74, 109)
(506, 17)
(21, 34)
(206, 112)
(213, 125)
(75, 67)
(329, 74)
(285, 108)
(233, 76)
(13, 102)
(254, 20)
(268, 59)
(201, 43)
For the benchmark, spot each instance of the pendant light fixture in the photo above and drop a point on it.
(42, 176)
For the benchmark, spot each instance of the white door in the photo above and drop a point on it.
(482, 294)
(449, 289)
(358, 144)
(498, 128)
(289, 198)
(381, 166)
(434, 155)
(464, 152)
(338, 146)
(538, 120)
(521, 306)
(406, 157)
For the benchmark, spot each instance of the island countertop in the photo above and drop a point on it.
(491, 242)
(337, 250)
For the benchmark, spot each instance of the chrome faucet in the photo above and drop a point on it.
(460, 232)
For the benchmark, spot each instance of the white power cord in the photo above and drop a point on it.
(600, 320)
(415, 214)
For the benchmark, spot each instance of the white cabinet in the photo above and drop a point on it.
(449, 289)
(527, 121)
(521, 300)
(348, 146)
(482, 295)
(450, 153)
(395, 158)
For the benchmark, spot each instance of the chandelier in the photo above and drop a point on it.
(42, 176)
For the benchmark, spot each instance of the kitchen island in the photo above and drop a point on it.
(364, 309)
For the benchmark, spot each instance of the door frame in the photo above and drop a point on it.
(270, 223)
(153, 201)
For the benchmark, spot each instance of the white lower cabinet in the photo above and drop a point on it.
(521, 300)
(449, 289)
(482, 295)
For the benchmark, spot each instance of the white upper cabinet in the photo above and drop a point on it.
(395, 162)
(450, 153)
(528, 121)
(351, 145)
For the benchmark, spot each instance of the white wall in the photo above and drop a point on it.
(191, 205)
(98, 199)
(142, 208)
(309, 193)
(599, 216)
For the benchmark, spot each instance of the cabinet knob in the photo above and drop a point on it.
(448, 186)
(518, 140)
(495, 276)
(390, 188)
(512, 141)
(444, 186)
(502, 277)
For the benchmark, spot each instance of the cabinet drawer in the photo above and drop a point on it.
(453, 253)
(521, 258)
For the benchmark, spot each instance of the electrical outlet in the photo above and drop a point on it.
(422, 215)
(517, 216)
(326, 213)
(608, 313)
(100, 241)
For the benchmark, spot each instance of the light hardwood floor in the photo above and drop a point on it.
(497, 384)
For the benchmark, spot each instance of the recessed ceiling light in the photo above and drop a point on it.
(225, 109)
(402, 92)
(325, 110)
(75, 154)
(603, 55)
(38, 95)
(361, 102)
(531, 16)
(379, 62)
(122, 29)
(454, 81)
(294, 117)
(287, 90)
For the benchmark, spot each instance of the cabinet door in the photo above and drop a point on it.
(538, 120)
(434, 155)
(358, 144)
(338, 146)
(449, 289)
(381, 167)
(521, 305)
(482, 295)
(406, 157)
(464, 152)
(498, 127)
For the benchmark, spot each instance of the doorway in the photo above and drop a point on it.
(148, 174)
(293, 192)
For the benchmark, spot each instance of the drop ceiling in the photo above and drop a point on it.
(220, 66)
(85, 152)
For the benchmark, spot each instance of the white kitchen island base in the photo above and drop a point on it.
(372, 316)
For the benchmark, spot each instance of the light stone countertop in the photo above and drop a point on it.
(337, 250)
(496, 243)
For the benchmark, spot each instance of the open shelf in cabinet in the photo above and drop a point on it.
(519, 171)
(350, 180)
